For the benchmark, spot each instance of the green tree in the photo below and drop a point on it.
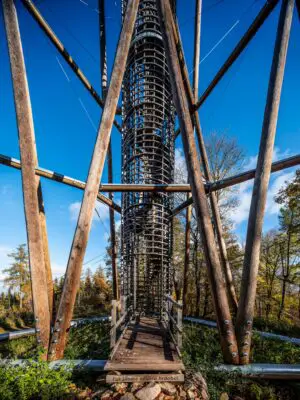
(18, 278)
(289, 221)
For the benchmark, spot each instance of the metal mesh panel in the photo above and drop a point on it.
(147, 157)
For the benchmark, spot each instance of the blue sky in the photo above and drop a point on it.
(65, 116)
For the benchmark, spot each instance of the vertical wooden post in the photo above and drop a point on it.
(228, 340)
(198, 12)
(72, 278)
(259, 195)
(134, 283)
(206, 170)
(113, 332)
(188, 219)
(103, 70)
(50, 287)
(123, 304)
(179, 325)
(33, 204)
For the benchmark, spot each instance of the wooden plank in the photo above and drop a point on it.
(142, 378)
(145, 346)
(31, 186)
(77, 252)
(144, 366)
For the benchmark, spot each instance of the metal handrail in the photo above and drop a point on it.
(171, 300)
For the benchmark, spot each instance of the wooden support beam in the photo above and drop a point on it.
(188, 219)
(141, 187)
(37, 16)
(55, 176)
(239, 48)
(175, 188)
(247, 175)
(259, 195)
(207, 175)
(32, 193)
(72, 278)
(240, 178)
(228, 341)
(197, 36)
(103, 72)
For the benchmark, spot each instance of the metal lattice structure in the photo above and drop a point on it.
(148, 158)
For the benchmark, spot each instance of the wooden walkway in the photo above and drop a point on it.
(145, 346)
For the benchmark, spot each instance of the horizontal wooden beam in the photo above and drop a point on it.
(63, 51)
(242, 177)
(131, 187)
(240, 47)
(175, 188)
(54, 176)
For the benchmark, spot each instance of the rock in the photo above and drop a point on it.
(201, 385)
(168, 388)
(189, 386)
(149, 392)
(120, 387)
(161, 397)
(191, 394)
(84, 394)
(128, 396)
(107, 395)
(224, 396)
(135, 386)
(182, 394)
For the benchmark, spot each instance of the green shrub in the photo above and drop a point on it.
(274, 351)
(276, 326)
(35, 380)
(90, 340)
(21, 348)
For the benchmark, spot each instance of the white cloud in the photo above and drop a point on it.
(118, 224)
(102, 209)
(244, 194)
(57, 269)
(272, 207)
(180, 167)
(277, 155)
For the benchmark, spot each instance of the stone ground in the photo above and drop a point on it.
(193, 389)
